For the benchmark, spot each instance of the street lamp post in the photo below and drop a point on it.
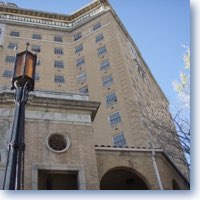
(22, 83)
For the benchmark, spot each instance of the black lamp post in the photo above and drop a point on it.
(22, 83)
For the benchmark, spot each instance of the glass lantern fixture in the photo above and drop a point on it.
(24, 69)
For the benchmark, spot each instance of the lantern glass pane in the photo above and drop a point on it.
(20, 65)
(29, 66)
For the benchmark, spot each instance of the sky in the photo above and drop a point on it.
(159, 28)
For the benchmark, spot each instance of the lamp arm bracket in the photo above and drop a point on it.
(22, 91)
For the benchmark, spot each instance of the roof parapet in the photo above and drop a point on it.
(8, 4)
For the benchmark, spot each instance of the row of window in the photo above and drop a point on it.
(78, 49)
(9, 74)
(60, 79)
(59, 51)
(57, 78)
(104, 65)
(110, 98)
(78, 35)
(99, 38)
(36, 48)
(57, 38)
(119, 140)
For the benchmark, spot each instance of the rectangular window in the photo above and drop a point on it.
(84, 90)
(12, 45)
(99, 37)
(114, 118)
(38, 62)
(58, 51)
(35, 48)
(80, 61)
(58, 38)
(77, 36)
(101, 50)
(79, 48)
(96, 26)
(104, 65)
(10, 59)
(58, 64)
(111, 98)
(119, 140)
(81, 77)
(14, 33)
(36, 36)
(37, 76)
(59, 79)
(107, 81)
(7, 73)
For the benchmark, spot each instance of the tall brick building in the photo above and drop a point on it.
(82, 128)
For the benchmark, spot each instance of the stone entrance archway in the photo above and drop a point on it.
(122, 179)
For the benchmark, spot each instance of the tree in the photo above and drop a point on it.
(183, 86)
(182, 114)
(171, 132)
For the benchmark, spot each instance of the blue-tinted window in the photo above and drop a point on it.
(10, 59)
(14, 33)
(107, 81)
(79, 48)
(12, 45)
(81, 77)
(59, 79)
(101, 50)
(36, 36)
(99, 37)
(77, 36)
(119, 140)
(58, 38)
(58, 64)
(84, 90)
(115, 118)
(80, 61)
(111, 98)
(37, 76)
(35, 48)
(96, 26)
(58, 51)
(104, 65)
(7, 73)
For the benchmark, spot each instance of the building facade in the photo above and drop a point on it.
(83, 123)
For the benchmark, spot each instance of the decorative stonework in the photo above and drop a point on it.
(57, 143)
(49, 23)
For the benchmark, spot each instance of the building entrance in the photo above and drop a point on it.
(57, 180)
(122, 179)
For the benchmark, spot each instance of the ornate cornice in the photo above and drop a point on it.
(47, 19)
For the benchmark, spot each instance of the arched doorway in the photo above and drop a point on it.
(122, 179)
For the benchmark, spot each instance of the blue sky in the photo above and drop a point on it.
(158, 27)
